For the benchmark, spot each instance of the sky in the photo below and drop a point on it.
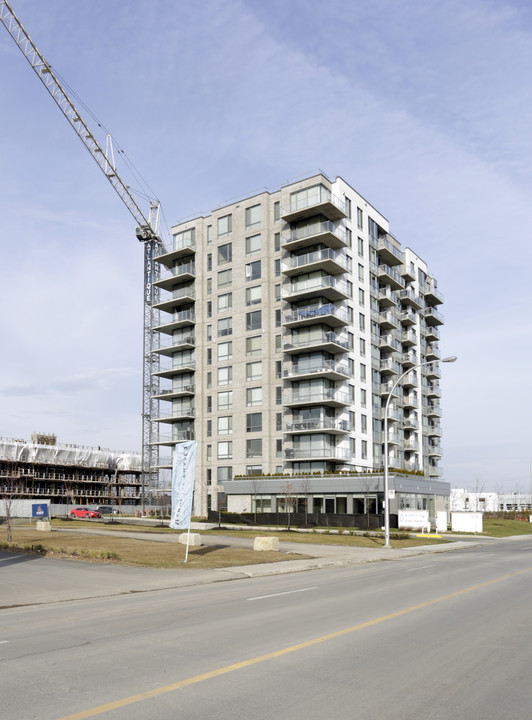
(424, 108)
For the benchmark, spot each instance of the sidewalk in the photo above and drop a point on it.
(32, 579)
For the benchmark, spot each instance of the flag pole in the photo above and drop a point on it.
(188, 540)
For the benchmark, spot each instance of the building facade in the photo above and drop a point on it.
(68, 474)
(284, 321)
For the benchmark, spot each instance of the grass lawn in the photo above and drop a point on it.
(505, 528)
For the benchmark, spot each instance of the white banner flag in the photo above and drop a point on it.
(183, 484)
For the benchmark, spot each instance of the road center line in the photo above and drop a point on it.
(3, 642)
(155, 692)
(423, 567)
(288, 592)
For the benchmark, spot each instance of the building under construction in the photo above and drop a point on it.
(68, 474)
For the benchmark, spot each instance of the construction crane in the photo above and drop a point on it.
(147, 232)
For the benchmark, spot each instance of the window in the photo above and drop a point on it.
(360, 218)
(362, 344)
(209, 403)
(224, 473)
(209, 308)
(254, 320)
(225, 449)
(362, 372)
(373, 229)
(253, 396)
(209, 380)
(209, 262)
(254, 345)
(225, 254)
(209, 428)
(225, 375)
(364, 424)
(276, 211)
(254, 422)
(361, 297)
(253, 271)
(209, 234)
(225, 351)
(209, 452)
(277, 318)
(254, 470)
(209, 333)
(277, 343)
(361, 247)
(209, 356)
(225, 326)
(225, 302)
(253, 216)
(225, 400)
(278, 369)
(361, 273)
(254, 447)
(184, 239)
(253, 245)
(254, 370)
(278, 395)
(349, 237)
(278, 448)
(277, 293)
(277, 242)
(364, 449)
(278, 421)
(209, 286)
(225, 425)
(225, 277)
(254, 295)
(363, 397)
(277, 267)
(361, 322)
(348, 206)
(225, 225)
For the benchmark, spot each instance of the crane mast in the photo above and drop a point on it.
(147, 232)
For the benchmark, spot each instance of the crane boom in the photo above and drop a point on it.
(147, 232)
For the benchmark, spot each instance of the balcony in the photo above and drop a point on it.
(411, 446)
(432, 390)
(326, 396)
(327, 369)
(389, 276)
(175, 392)
(182, 436)
(180, 296)
(326, 259)
(327, 313)
(180, 319)
(186, 342)
(173, 370)
(325, 286)
(411, 380)
(434, 450)
(389, 367)
(388, 252)
(435, 470)
(181, 249)
(318, 453)
(410, 424)
(409, 359)
(167, 280)
(388, 343)
(408, 272)
(394, 438)
(431, 333)
(386, 389)
(387, 297)
(317, 200)
(408, 317)
(409, 297)
(409, 337)
(432, 371)
(331, 425)
(186, 411)
(432, 410)
(324, 232)
(410, 399)
(326, 341)
(433, 317)
(432, 295)
(388, 320)
(431, 351)
(432, 430)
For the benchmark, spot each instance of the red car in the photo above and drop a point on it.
(84, 512)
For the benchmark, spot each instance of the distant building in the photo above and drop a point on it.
(285, 319)
(464, 500)
(73, 474)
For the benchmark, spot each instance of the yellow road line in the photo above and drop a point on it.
(101, 709)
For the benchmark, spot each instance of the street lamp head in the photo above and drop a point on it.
(451, 358)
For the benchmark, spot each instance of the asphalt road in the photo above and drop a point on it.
(435, 636)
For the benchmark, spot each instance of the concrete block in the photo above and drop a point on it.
(194, 541)
(266, 543)
(44, 526)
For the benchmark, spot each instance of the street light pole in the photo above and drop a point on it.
(451, 358)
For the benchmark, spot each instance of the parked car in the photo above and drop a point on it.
(83, 512)
(107, 510)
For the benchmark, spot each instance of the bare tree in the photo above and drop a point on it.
(9, 491)
(290, 499)
(368, 484)
(304, 486)
(256, 486)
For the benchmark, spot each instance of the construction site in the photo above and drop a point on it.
(68, 474)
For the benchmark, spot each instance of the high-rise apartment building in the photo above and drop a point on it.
(285, 320)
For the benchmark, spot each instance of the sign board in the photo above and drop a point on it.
(466, 522)
(39, 510)
(414, 519)
(441, 521)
